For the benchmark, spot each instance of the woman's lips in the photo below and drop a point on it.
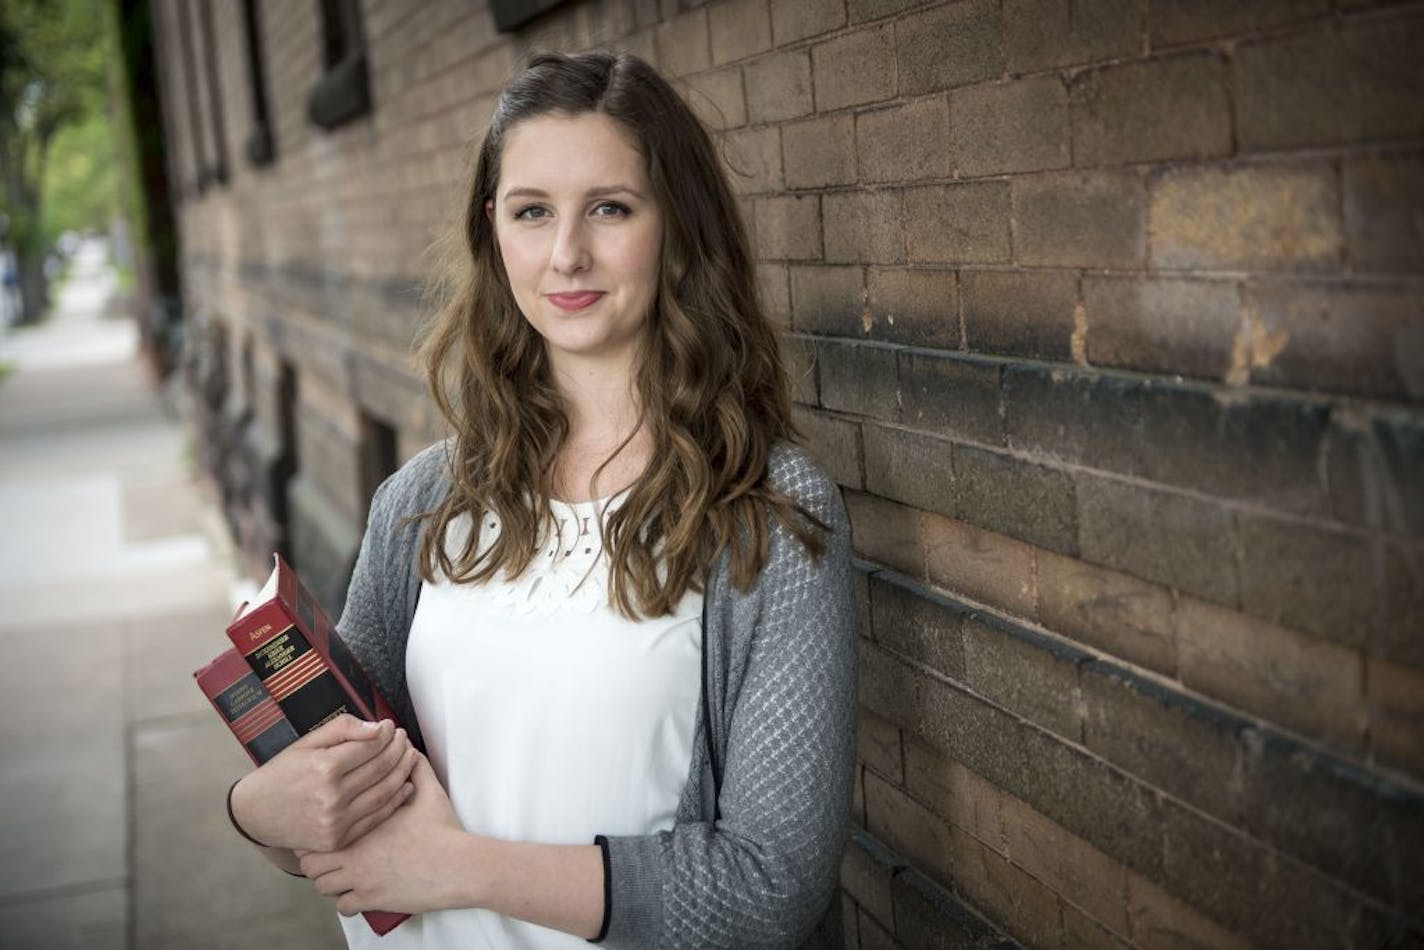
(574, 301)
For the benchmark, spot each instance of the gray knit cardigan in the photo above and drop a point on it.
(755, 864)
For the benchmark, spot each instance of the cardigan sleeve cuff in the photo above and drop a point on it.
(602, 843)
(632, 880)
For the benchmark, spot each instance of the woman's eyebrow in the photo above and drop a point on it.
(602, 191)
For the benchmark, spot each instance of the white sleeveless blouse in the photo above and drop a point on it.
(547, 715)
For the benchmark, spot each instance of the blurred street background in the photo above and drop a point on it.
(116, 582)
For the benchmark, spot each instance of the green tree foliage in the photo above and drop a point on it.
(80, 184)
(52, 76)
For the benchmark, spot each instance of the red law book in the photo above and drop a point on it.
(237, 694)
(293, 651)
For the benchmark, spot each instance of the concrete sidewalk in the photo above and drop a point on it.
(116, 584)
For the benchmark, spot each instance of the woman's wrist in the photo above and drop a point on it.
(232, 816)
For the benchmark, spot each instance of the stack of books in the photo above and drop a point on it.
(286, 673)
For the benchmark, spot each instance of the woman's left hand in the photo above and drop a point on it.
(404, 864)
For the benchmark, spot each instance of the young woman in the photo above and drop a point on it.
(617, 601)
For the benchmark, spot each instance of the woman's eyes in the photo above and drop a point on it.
(604, 209)
(611, 209)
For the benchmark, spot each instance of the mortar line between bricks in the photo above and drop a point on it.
(1230, 505)
(1393, 781)
(1352, 891)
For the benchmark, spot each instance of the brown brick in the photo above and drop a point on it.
(910, 468)
(918, 307)
(984, 566)
(1331, 86)
(872, 936)
(1044, 33)
(866, 874)
(1082, 932)
(799, 356)
(1148, 111)
(1077, 790)
(1165, 737)
(1025, 672)
(779, 86)
(1184, 327)
(774, 291)
(956, 794)
(820, 152)
(1265, 449)
(909, 827)
(878, 746)
(739, 28)
(951, 396)
(1335, 337)
(828, 299)
(1382, 196)
(1033, 503)
(1066, 864)
(927, 917)
(1161, 922)
(793, 20)
(1396, 634)
(860, 582)
(919, 625)
(1020, 313)
(886, 533)
(959, 224)
(788, 227)
(854, 69)
(862, 226)
(904, 143)
(1106, 609)
(986, 739)
(1311, 578)
(1395, 698)
(1025, 908)
(1358, 826)
(1183, 22)
(683, 44)
(1258, 217)
(834, 441)
(1080, 219)
(1173, 539)
(949, 45)
(717, 98)
(889, 686)
(1278, 674)
(863, 10)
(858, 378)
(1015, 126)
(754, 158)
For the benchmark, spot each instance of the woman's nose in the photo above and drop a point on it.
(571, 251)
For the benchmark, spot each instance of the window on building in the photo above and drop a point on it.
(217, 128)
(378, 453)
(344, 91)
(261, 148)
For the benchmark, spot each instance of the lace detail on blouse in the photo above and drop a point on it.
(570, 569)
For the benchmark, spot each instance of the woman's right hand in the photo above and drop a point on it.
(328, 788)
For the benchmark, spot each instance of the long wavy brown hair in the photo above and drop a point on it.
(711, 389)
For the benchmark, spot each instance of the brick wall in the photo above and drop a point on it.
(1107, 315)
